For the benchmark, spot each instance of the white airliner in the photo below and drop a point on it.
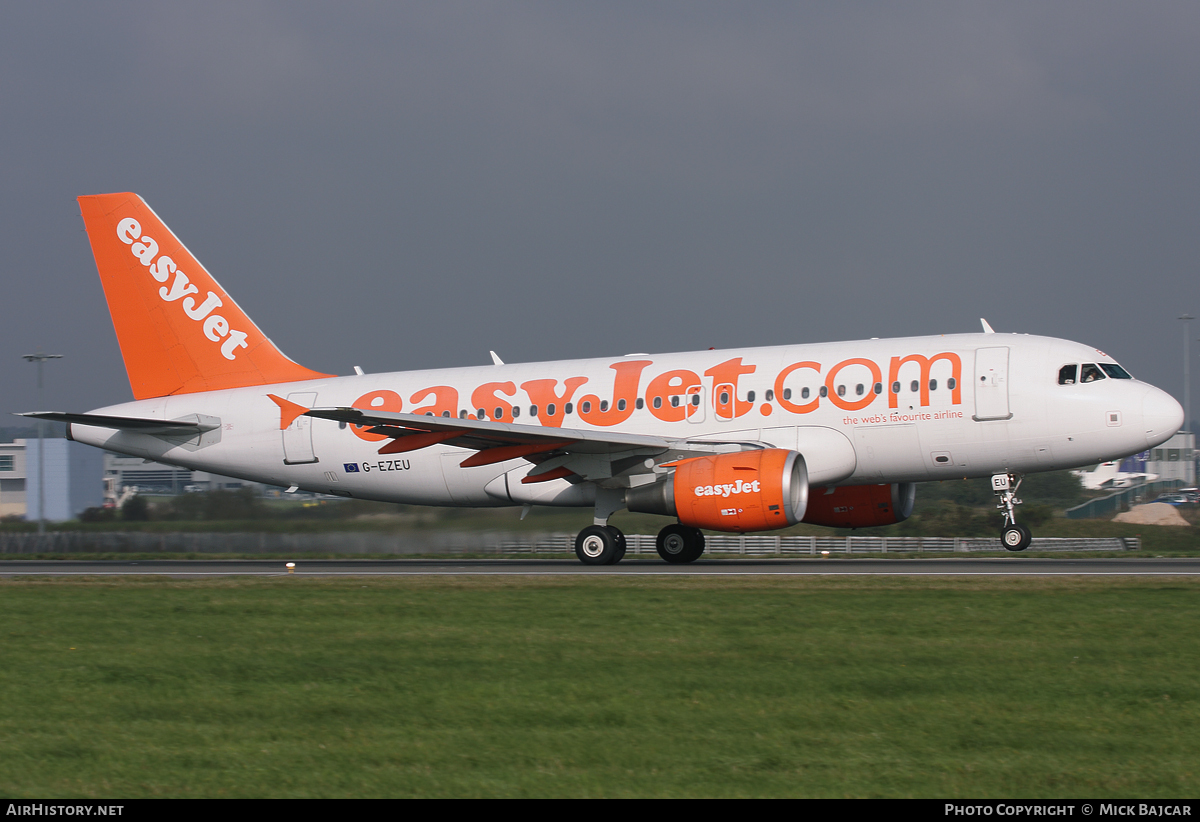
(751, 439)
(1108, 475)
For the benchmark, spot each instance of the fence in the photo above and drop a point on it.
(461, 542)
(1121, 500)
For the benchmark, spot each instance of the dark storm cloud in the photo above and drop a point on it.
(408, 186)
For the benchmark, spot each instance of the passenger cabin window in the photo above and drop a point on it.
(1066, 374)
(1090, 372)
(1115, 371)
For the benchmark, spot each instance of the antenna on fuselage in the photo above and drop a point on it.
(987, 329)
(495, 359)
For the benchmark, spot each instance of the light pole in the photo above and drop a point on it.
(40, 358)
(1187, 362)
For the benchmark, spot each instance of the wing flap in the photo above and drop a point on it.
(606, 457)
(481, 434)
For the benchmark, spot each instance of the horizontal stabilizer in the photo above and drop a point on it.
(137, 424)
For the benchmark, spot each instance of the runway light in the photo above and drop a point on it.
(291, 566)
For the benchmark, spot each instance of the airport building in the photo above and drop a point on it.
(122, 472)
(12, 479)
(72, 482)
(79, 477)
(1174, 459)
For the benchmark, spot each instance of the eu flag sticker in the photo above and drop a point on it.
(350, 467)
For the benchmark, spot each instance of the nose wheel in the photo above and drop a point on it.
(1014, 537)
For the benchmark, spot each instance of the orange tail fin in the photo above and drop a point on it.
(179, 331)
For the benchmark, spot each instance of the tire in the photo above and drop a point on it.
(619, 554)
(1016, 538)
(597, 545)
(679, 544)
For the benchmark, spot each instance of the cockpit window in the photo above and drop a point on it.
(1066, 374)
(1090, 372)
(1115, 371)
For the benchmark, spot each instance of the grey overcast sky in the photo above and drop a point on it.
(407, 185)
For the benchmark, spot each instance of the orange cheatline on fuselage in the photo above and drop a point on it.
(179, 331)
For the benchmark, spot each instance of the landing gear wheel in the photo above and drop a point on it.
(678, 544)
(1016, 537)
(619, 535)
(597, 545)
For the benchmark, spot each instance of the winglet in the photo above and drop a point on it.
(987, 329)
(288, 411)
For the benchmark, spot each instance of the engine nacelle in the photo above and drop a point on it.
(861, 506)
(744, 491)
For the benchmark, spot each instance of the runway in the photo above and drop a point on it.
(1005, 566)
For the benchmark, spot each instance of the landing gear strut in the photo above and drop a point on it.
(1014, 537)
(601, 543)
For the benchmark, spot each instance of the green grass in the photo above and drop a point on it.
(583, 686)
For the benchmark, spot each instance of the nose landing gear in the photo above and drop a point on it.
(1014, 537)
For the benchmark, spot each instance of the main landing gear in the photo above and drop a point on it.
(605, 544)
(600, 545)
(678, 544)
(1014, 537)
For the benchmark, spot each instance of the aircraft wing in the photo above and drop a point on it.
(558, 452)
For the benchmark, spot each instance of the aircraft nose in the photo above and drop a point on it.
(1162, 416)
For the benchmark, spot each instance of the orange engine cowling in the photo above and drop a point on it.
(745, 491)
(861, 506)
